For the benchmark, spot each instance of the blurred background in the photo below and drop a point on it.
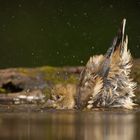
(63, 32)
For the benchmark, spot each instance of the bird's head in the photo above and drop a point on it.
(62, 96)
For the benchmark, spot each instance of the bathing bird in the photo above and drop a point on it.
(105, 81)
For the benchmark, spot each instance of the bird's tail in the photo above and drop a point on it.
(117, 44)
(113, 54)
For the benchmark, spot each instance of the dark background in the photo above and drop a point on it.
(63, 32)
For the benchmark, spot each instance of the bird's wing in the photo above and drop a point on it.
(118, 54)
(120, 64)
(97, 71)
(113, 54)
(90, 82)
(91, 69)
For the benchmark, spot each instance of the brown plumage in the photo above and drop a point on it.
(62, 96)
(105, 81)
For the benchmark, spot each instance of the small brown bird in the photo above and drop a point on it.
(105, 81)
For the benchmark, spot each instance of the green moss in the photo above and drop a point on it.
(58, 75)
(2, 90)
(49, 69)
(27, 72)
(72, 79)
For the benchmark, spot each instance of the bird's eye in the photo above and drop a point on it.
(57, 96)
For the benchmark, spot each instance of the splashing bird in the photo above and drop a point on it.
(105, 81)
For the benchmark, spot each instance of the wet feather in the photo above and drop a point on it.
(105, 81)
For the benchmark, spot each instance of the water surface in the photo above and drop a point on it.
(53, 125)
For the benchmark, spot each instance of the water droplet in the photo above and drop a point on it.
(75, 15)
(66, 44)
(57, 52)
(84, 34)
(85, 14)
(73, 26)
(42, 29)
(13, 16)
(19, 5)
(3, 25)
(81, 61)
(111, 6)
(69, 24)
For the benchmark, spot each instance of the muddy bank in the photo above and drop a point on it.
(33, 85)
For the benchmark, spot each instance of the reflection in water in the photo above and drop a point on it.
(108, 126)
(70, 125)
